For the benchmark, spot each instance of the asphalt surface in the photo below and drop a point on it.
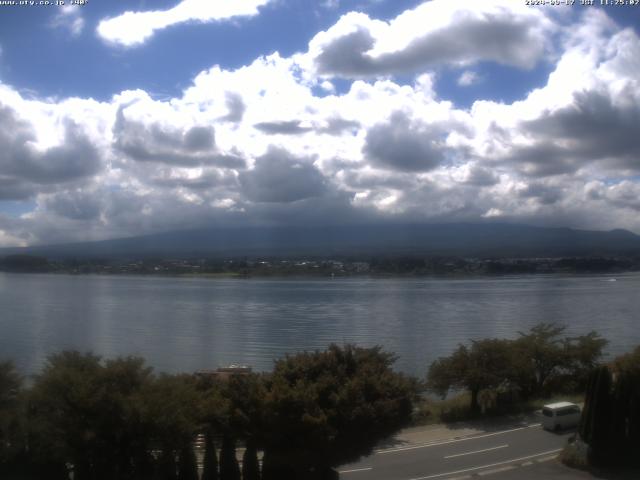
(499, 453)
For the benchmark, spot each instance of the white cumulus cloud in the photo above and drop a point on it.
(134, 28)
(453, 32)
(277, 142)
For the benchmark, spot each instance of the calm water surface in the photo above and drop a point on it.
(185, 324)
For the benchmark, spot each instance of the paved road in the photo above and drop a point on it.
(461, 457)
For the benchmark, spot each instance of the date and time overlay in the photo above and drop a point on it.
(533, 3)
(44, 3)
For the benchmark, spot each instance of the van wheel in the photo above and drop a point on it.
(556, 428)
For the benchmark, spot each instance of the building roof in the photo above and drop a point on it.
(559, 405)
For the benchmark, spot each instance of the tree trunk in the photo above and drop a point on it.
(250, 467)
(143, 466)
(600, 441)
(475, 408)
(274, 467)
(229, 468)
(167, 465)
(187, 466)
(210, 470)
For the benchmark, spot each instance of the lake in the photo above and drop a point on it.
(186, 324)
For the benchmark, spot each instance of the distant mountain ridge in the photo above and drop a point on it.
(455, 239)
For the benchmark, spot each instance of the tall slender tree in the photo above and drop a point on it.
(610, 422)
(167, 468)
(187, 463)
(210, 463)
(250, 465)
(11, 418)
(229, 468)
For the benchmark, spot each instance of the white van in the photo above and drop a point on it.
(561, 415)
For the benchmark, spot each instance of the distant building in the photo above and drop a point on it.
(224, 373)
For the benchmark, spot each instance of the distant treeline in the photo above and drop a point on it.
(339, 266)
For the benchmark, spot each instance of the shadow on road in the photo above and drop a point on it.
(453, 430)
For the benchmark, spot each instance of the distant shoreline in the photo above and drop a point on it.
(310, 267)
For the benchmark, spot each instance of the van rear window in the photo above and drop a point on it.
(547, 412)
(567, 411)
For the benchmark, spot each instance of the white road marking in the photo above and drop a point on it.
(487, 466)
(476, 451)
(356, 470)
(545, 459)
(497, 470)
(435, 444)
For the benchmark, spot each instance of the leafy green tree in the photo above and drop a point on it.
(541, 354)
(583, 355)
(610, 422)
(243, 407)
(486, 364)
(330, 407)
(65, 404)
(235, 408)
(595, 425)
(170, 410)
(546, 362)
(83, 412)
(106, 418)
(11, 419)
(626, 412)
(629, 362)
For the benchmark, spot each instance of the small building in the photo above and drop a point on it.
(224, 373)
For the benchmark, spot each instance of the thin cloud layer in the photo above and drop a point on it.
(69, 18)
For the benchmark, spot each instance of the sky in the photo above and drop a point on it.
(124, 118)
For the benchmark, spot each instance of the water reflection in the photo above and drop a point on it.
(187, 324)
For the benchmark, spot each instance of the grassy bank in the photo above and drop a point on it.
(457, 409)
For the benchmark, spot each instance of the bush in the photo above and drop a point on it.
(574, 455)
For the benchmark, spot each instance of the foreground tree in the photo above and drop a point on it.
(484, 365)
(11, 418)
(84, 412)
(170, 411)
(545, 359)
(234, 407)
(210, 462)
(610, 422)
(583, 355)
(188, 464)
(250, 465)
(537, 363)
(106, 418)
(229, 468)
(327, 408)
